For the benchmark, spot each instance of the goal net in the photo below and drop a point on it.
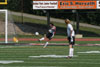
(7, 28)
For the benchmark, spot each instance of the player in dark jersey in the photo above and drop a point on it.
(49, 35)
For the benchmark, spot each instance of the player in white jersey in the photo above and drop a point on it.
(50, 34)
(71, 37)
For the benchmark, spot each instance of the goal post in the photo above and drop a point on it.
(6, 23)
(6, 26)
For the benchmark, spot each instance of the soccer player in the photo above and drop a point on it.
(49, 35)
(71, 37)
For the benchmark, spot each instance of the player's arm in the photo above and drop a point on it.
(71, 30)
(71, 33)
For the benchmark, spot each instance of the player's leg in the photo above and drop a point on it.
(45, 45)
(49, 37)
(43, 38)
(71, 48)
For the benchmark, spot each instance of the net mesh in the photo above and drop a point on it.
(10, 27)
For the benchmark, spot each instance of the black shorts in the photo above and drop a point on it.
(49, 36)
(71, 40)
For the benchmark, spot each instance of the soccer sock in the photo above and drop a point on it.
(71, 52)
(46, 44)
(41, 39)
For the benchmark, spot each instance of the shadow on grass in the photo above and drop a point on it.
(28, 27)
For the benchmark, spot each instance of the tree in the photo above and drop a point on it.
(14, 5)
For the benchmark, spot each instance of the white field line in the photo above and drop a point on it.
(51, 56)
(10, 61)
(44, 56)
(90, 52)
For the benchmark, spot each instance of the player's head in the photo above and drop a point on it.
(51, 24)
(67, 21)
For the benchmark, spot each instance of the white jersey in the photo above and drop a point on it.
(69, 29)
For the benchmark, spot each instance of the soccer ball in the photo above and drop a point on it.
(37, 33)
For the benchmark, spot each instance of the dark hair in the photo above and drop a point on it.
(52, 24)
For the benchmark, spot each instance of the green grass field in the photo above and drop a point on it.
(22, 53)
(77, 42)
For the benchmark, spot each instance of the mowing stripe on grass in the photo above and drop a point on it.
(12, 46)
(63, 62)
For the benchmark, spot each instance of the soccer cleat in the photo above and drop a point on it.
(39, 40)
(44, 47)
(69, 57)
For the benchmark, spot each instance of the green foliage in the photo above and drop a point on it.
(14, 5)
(20, 5)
